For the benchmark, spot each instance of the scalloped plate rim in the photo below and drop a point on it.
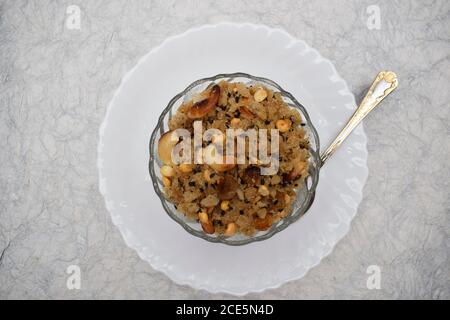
(124, 230)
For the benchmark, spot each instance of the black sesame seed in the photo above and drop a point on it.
(229, 94)
(192, 183)
(303, 124)
(212, 175)
(275, 202)
(236, 99)
(241, 211)
(201, 189)
(267, 122)
(217, 223)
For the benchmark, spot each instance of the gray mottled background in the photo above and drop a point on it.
(56, 84)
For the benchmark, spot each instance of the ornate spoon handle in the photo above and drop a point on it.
(384, 84)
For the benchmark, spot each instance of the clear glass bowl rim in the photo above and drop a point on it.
(294, 216)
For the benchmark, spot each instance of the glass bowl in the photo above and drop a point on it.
(305, 194)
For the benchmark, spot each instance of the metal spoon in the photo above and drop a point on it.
(382, 86)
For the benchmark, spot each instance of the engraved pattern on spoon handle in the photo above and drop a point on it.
(383, 85)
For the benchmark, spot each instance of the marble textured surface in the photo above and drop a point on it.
(57, 82)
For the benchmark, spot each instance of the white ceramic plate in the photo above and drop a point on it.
(123, 158)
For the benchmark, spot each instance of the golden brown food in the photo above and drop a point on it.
(230, 198)
(201, 108)
(165, 146)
